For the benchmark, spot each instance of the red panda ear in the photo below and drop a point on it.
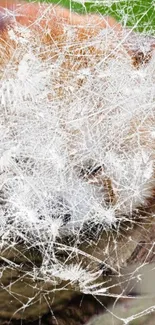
(6, 7)
(24, 12)
(10, 4)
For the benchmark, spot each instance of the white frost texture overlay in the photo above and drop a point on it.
(77, 146)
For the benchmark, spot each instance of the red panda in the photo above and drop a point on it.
(77, 130)
(82, 62)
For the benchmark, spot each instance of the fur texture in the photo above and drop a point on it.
(77, 129)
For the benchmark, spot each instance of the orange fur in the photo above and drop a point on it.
(48, 24)
(28, 13)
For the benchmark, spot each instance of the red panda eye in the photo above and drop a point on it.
(91, 171)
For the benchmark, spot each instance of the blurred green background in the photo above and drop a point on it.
(137, 13)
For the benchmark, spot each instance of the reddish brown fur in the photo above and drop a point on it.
(28, 13)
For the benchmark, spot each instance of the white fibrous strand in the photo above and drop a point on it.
(76, 142)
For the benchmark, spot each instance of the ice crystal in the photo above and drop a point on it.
(76, 143)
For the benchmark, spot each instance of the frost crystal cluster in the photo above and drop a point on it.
(77, 144)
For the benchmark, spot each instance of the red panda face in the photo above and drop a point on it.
(77, 116)
(77, 153)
